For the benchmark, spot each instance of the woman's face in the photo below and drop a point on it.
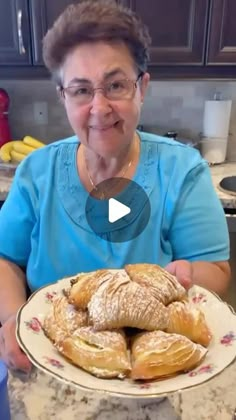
(106, 126)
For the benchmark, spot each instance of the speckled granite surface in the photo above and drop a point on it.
(44, 398)
(6, 175)
(218, 172)
(41, 397)
(5, 183)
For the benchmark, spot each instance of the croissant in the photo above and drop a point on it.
(120, 302)
(102, 353)
(189, 321)
(157, 354)
(85, 285)
(163, 285)
(63, 319)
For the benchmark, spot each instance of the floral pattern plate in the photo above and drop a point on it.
(222, 351)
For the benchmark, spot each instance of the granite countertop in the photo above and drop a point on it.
(5, 183)
(218, 172)
(42, 397)
(7, 171)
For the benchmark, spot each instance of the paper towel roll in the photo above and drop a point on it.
(216, 118)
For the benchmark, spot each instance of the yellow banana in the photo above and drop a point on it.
(6, 149)
(16, 156)
(17, 150)
(22, 148)
(32, 142)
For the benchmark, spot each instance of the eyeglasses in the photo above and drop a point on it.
(83, 93)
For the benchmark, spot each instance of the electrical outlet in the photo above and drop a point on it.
(41, 113)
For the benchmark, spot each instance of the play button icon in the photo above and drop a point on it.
(122, 215)
(116, 210)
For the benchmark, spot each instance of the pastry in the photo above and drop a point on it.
(102, 353)
(158, 354)
(188, 320)
(85, 284)
(63, 319)
(89, 322)
(120, 302)
(52, 330)
(163, 285)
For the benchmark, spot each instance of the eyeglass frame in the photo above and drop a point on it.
(63, 89)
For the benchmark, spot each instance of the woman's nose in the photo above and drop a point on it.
(99, 103)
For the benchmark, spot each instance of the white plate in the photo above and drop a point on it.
(222, 351)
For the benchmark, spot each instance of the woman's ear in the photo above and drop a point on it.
(144, 85)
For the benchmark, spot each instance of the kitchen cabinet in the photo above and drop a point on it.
(222, 33)
(23, 23)
(184, 32)
(178, 29)
(190, 38)
(43, 14)
(14, 33)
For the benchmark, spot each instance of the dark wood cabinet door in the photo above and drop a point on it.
(43, 14)
(222, 33)
(178, 29)
(14, 33)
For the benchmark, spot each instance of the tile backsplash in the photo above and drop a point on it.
(23, 94)
(169, 105)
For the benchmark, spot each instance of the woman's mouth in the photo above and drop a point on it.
(104, 127)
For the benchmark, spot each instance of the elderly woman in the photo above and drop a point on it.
(97, 53)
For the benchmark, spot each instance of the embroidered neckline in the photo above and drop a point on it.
(73, 195)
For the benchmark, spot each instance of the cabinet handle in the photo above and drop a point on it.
(19, 29)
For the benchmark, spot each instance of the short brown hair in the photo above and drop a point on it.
(91, 21)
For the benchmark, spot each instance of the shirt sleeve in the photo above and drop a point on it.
(17, 219)
(199, 229)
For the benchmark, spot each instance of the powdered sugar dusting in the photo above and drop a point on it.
(122, 303)
(86, 322)
(165, 353)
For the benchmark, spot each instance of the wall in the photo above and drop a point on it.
(170, 105)
(179, 106)
(22, 95)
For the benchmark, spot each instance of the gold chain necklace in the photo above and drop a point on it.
(102, 195)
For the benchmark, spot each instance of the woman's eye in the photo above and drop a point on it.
(119, 85)
(81, 91)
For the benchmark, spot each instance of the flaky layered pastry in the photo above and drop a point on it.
(88, 324)
(158, 354)
(63, 319)
(163, 286)
(85, 285)
(186, 319)
(120, 302)
(102, 353)
(52, 330)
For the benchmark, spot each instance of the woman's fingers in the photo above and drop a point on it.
(10, 350)
(182, 269)
(17, 360)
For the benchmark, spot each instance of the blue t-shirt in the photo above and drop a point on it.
(43, 224)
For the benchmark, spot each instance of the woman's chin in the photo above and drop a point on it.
(104, 135)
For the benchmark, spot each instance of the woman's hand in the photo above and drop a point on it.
(10, 351)
(183, 270)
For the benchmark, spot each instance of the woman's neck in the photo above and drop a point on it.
(100, 168)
